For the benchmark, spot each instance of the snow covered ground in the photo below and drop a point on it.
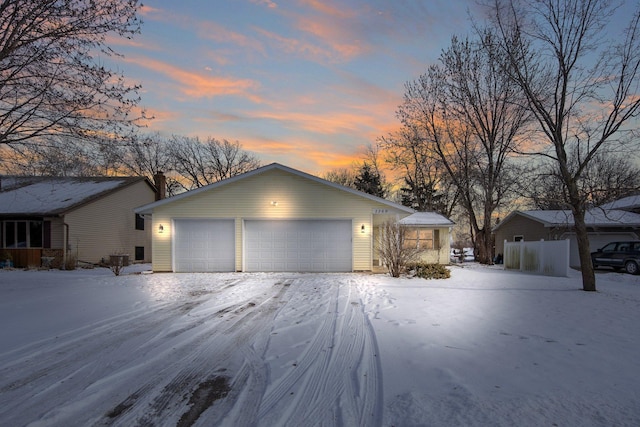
(486, 347)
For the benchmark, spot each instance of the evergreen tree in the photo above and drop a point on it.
(369, 181)
(422, 196)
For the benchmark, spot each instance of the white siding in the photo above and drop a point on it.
(273, 194)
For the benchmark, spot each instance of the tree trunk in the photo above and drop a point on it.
(483, 246)
(586, 267)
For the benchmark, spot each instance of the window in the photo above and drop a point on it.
(35, 234)
(23, 234)
(139, 222)
(139, 253)
(420, 238)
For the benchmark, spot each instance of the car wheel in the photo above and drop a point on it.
(631, 267)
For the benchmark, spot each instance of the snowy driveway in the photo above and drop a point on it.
(237, 348)
(486, 347)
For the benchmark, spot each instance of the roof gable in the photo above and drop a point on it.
(39, 196)
(148, 209)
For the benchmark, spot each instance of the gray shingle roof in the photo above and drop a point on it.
(39, 196)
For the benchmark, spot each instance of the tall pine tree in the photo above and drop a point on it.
(422, 196)
(369, 181)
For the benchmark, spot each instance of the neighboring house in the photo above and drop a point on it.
(279, 219)
(91, 217)
(604, 225)
(430, 232)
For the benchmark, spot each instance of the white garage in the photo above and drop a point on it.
(273, 218)
(298, 245)
(204, 245)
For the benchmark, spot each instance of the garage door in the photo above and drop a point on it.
(204, 245)
(298, 245)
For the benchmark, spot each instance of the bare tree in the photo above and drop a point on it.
(425, 185)
(61, 157)
(582, 86)
(52, 80)
(608, 177)
(149, 155)
(465, 110)
(394, 250)
(342, 176)
(203, 163)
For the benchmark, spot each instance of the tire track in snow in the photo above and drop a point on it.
(316, 346)
(203, 361)
(336, 380)
(51, 380)
(213, 360)
(48, 379)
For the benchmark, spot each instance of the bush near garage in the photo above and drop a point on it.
(429, 271)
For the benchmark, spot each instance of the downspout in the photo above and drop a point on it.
(64, 245)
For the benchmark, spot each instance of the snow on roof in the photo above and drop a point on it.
(593, 217)
(630, 202)
(52, 195)
(426, 218)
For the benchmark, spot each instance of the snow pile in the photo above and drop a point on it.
(486, 347)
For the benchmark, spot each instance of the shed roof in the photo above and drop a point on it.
(43, 196)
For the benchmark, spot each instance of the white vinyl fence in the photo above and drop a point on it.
(549, 258)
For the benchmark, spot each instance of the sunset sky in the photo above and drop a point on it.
(306, 83)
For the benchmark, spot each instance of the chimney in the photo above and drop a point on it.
(161, 185)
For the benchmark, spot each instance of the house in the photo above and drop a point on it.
(91, 217)
(603, 224)
(275, 218)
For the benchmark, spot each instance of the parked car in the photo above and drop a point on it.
(460, 255)
(618, 255)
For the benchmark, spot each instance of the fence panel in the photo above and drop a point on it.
(549, 258)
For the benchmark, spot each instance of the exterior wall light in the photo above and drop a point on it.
(274, 203)
(160, 228)
(362, 228)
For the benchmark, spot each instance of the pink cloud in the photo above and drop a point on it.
(218, 33)
(270, 4)
(200, 85)
(295, 46)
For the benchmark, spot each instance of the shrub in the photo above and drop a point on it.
(429, 271)
(71, 262)
(393, 249)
